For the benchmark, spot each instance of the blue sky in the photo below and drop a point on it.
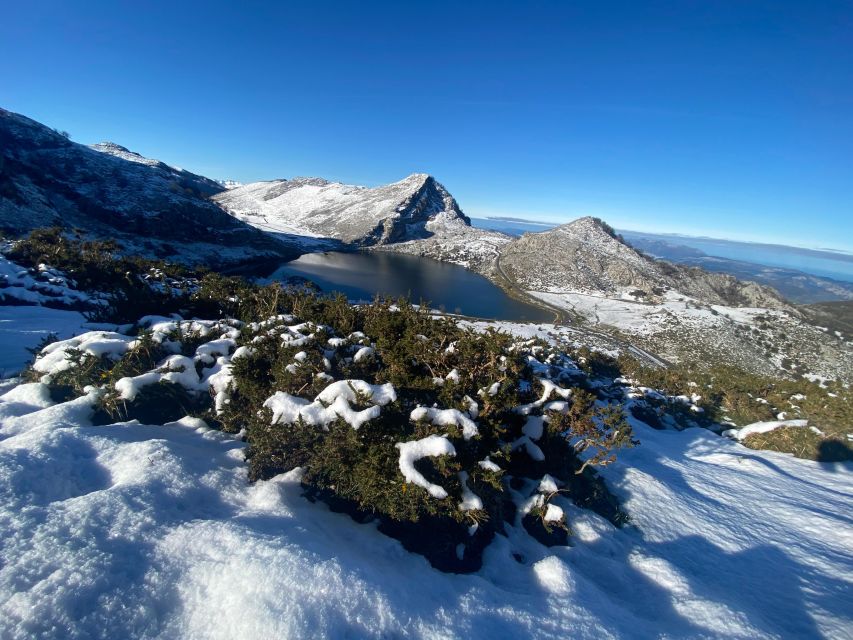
(728, 119)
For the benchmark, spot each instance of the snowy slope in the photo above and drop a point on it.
(152, 531)
(414, 207)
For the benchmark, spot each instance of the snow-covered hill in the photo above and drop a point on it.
(140, 530)
(585, 255)
(414, 207)
(108, 191)
(153, 530)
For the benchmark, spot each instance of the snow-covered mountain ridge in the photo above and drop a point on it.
(414, 207)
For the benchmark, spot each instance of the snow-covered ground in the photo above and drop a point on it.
(25, 327)
(132, 530)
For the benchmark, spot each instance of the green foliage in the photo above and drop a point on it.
(730, 395)
(128, 284)
(418, 355)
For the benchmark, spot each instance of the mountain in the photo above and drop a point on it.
(108, 191)
(587, 256)
(415, 207)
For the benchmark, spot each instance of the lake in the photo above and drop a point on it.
(360, 276)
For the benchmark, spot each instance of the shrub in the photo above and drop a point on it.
(130, 286)
(731, 395)
(474, 394)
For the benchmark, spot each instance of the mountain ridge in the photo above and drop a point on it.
(414, 207)
(106, 190)
(588, 255)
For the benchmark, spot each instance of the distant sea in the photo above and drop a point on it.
(827, 264)
(511, 227)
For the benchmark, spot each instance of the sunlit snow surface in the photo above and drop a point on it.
(153, 531)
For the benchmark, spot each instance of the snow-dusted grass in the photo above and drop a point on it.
(153, 531)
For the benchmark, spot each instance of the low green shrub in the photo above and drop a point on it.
(732, 396)
(524, 429)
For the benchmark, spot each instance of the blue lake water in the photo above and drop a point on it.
(361, 276)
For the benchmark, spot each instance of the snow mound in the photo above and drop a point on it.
(332, 403)
(411, 452)
(445, 417)
(763, 427)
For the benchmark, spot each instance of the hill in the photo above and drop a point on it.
(109, 192)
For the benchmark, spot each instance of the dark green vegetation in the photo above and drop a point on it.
(730, 395)
(359, 468)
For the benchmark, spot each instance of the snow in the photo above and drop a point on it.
(530, 447)
(488, 465)
(364, 353)
(553, 513)
(553, 576)
(24, 327)
(315, 208)
(534, 427)
(46, 287)
(331, 403)
(470, 500)
(54, 358)
(548, 388)
(380, 394)
(446, 417)
(132, 530)
(414, 450)
(548, 484)
(763, 427)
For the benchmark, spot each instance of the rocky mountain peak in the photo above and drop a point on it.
(415, 207)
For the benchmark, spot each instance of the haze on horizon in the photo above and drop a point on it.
(729, 121)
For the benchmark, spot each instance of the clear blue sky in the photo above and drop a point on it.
(731, 119)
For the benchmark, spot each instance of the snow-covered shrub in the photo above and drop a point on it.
(124, 287)
(442, 433)
(726, 395)
(419, 423)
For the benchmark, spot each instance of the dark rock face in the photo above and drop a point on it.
(108, 191)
